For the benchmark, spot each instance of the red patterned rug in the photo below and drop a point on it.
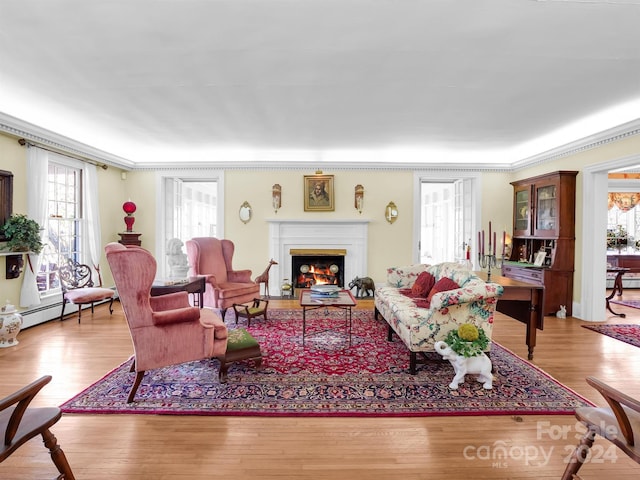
(628, 333)
(328, 378)
(627, 303)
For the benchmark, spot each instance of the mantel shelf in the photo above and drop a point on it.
(6, 254)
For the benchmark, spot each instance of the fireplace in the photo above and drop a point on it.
(317, 266)
(347, 236)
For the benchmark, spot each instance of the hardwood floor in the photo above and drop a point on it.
(162, 447)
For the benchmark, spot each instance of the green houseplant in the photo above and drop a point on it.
(23, 234)
(467, 340)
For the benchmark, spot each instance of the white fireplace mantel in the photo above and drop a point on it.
(350, 235)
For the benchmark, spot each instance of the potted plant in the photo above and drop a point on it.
(23, 234)
(464, 348)
(467, 340)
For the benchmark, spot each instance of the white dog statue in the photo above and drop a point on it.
(480, 364)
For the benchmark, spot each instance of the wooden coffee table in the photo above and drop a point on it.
(344, 301)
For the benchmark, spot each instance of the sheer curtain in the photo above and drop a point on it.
(37, 173)
(92, 217)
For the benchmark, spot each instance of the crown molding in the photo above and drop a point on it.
(40, 136)
(65, 145)
(590, 142)
(328, 166)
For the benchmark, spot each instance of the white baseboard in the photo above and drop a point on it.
(49, 311)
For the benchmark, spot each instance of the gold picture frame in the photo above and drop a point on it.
(318, 193)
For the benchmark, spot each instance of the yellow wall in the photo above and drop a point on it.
(111, 195)
(388, 244)
(13, 158)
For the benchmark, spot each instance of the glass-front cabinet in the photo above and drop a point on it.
(544, 236)
(522, 210)
(546, 210)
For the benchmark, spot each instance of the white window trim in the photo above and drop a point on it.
(200, 175)
(445, 176)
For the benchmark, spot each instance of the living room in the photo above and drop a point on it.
(140, 446)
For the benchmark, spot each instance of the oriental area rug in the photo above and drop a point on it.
(327, 377)
(627, 333)
(627, 303)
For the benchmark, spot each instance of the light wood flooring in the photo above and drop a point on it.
(141, 447)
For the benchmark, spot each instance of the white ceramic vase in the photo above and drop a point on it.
(10, 325)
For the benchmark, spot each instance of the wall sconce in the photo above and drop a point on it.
(276, 197)
(359, 197)
(391, 212)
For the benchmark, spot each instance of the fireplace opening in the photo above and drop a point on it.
(317, 267)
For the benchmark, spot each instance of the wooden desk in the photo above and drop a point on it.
(617, 287)
(523, 302)
(195, 285)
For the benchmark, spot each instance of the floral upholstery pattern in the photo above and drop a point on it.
(404, 277)
(418, 327)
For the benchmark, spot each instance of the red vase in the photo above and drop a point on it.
(129, 220)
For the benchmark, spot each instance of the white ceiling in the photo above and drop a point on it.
(428, 81)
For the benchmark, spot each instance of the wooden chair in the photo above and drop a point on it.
(21, 423)
(257, 309)
(77, 287)
(619, 424)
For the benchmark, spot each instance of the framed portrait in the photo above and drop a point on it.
(540, 256)
(318, 193)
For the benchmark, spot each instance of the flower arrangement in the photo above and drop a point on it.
(23, 234)
(467, 340)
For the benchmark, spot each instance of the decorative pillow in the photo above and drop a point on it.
(423, 284)
(442, 285)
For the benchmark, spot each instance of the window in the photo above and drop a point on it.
(192, 208)
(623, 222)
(446, 218)
(64, 209)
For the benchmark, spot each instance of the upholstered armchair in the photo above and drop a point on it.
(211, 257)
(165, 330)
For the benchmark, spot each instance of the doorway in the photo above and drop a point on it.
(595, 188)
(447, 206)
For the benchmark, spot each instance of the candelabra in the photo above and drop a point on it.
(489, 261)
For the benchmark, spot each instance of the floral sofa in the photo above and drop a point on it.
(420, 322)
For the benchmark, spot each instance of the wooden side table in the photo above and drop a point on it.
(617, 287)
(130, 238)
(194, 285)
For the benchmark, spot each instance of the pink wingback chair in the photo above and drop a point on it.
(165, 330)
(211, 257)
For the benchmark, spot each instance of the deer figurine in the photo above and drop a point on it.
(264, 277)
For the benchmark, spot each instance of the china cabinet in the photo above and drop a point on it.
(544, 236)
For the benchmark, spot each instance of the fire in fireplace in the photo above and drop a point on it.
(316, 267)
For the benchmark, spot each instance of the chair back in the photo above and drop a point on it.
(74, 275)
(210, 256)
(133, 271)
